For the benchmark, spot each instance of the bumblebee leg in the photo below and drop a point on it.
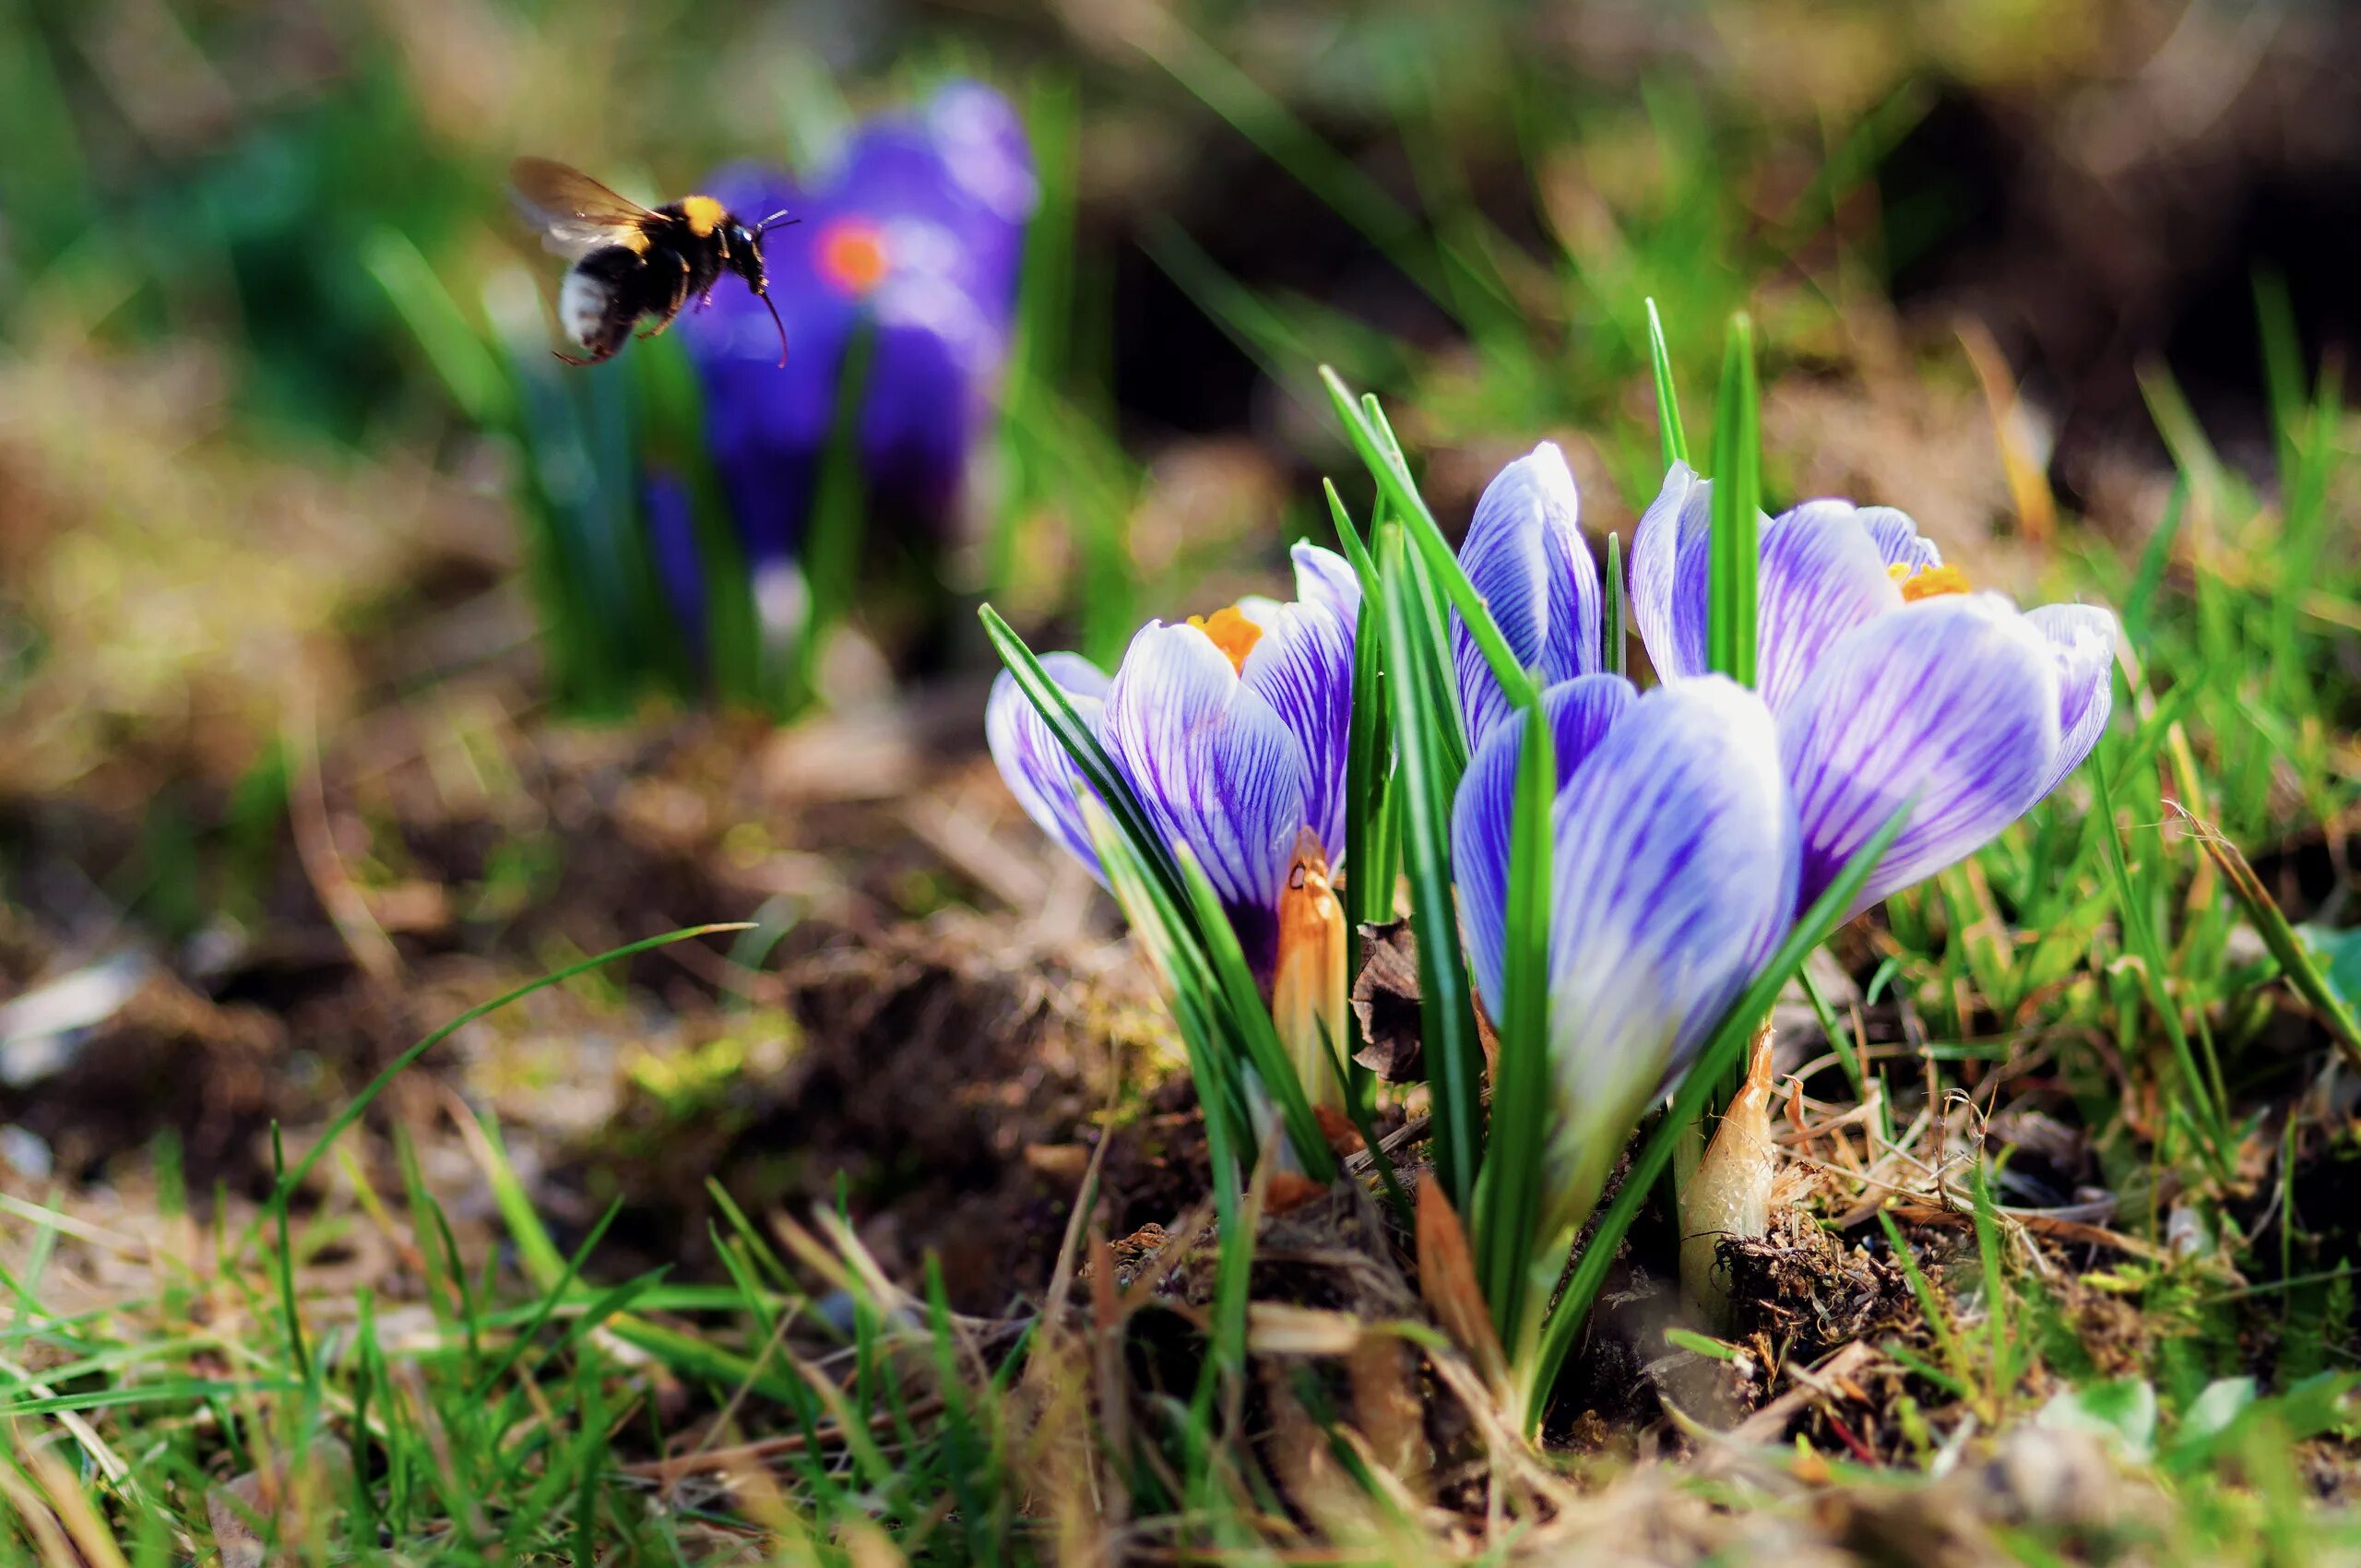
(680, 298)
(662, 323)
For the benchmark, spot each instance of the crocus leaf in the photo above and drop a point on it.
(1669, 435)
(1737, 498)
(1455, 1057)
(1373, 445)
(1508, 1195)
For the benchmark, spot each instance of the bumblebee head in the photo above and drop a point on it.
(746, 255)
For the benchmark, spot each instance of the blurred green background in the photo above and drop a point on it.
(261, 545)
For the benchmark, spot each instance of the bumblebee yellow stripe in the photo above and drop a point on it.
(704, 214)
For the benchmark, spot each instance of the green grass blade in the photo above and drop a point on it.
(1455, 1059)
(1613, 640)
(2296, 959)
(1508, 1195)
(2141, 936)
(1374, 446)
(292, 1182)
(1670, 437)
(1738, 501)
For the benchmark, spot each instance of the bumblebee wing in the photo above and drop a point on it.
(574, 212)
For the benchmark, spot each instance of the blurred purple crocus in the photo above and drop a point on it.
(1888, 678)
(917, 227)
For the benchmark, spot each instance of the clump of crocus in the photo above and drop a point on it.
(1884, 681)
(1231, 730)
(912, 237)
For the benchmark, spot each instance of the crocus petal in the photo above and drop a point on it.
(1216, 766)
(1302, 665)
(1676, 876)
(1036, 768)
(1323, 576)
(1671, 559)
(1898, 540)
(1822, 576)
(1581, 712)
(2082, 640)
(1952, 700)
(1524, 553)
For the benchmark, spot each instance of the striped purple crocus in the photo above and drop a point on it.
(1693, 823)
(1889, 678)
(917, 227)
(1231, 729)
(1673, 878)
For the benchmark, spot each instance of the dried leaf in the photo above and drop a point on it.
(1447, 1279)
(1385, 1000)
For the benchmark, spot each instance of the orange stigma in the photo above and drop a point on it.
(1232, 632)
(851, 254)
(1309, 985)
(1926, 582)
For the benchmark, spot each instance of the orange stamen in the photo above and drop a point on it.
(1927, 582)
(851, 254)
(1232, 632)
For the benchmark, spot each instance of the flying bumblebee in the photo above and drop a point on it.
(631, 262)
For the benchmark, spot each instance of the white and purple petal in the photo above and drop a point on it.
(1671, 560)
(1675, 880)
(1581, 712)
(2082, 640)
(1038, 772)
(1822, 576)
(1216, 767)
(1323, 576)
(1526, 555)
(1953, 701)
(1898, 539)
(1302, 665)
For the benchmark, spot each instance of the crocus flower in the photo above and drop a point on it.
(917, 227)
(1888, 677)
(1525, 552)
(1674, 872)
(1232, 731)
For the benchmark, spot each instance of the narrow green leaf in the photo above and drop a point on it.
(1670, 437)
(1508, 1195)
(1612, 638)
(1721, 1048)
(2141, 936)
(1738, 501)
(2294, 956)
(292, 1182)
(1368, 775)
(1455, 1058)
(1373, 445)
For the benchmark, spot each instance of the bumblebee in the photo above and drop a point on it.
(630, 261)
